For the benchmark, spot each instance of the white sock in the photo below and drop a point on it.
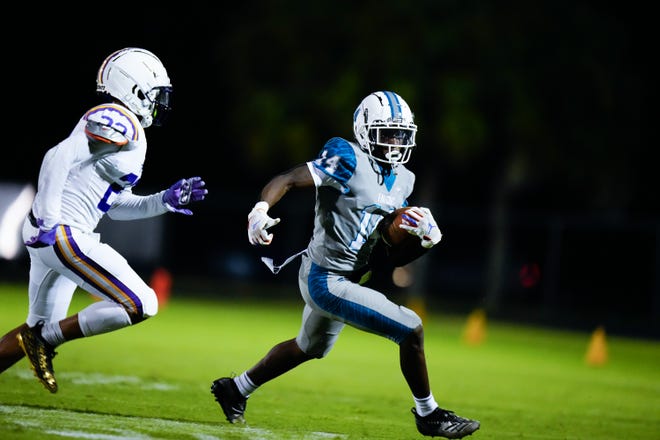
(52, 333)
(426, 405)
(245, 384)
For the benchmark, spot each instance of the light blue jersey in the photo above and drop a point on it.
(353, 195)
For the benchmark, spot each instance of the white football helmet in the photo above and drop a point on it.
(384, 128)
(139, 80)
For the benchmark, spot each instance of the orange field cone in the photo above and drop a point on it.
(597, 350)
(475, 328)
(161, 282)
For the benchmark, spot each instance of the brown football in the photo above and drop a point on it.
(389, 228)
(397, 247)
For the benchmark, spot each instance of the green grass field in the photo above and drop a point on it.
(152, 381)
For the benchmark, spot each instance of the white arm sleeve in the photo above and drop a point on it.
(129, 206)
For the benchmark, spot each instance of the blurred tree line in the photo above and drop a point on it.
(545, 102)
(539, 103)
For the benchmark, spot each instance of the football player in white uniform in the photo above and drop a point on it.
(357, 185)
(90, 174)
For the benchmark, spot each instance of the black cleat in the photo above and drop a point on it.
(444, 423)
(40, 354)
(230, 399)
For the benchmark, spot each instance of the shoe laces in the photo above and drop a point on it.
(441, 415)
(451, 416)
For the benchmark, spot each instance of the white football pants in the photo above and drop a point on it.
(79, 259)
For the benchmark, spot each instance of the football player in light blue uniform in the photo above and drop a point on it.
(357, 184)
(90, 174)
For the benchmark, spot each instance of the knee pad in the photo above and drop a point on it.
(149, 307)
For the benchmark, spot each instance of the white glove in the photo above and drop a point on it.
(258, 223)
(425, 228)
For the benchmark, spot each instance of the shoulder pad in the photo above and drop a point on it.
(337, 159)
(112, 123)
(100, 133)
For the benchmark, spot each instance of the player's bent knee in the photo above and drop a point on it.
(149, 304)
(148, 307)
(412, 318)
(317, 350)
(318, 354)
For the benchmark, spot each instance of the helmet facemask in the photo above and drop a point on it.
(160, 104)
(390, 144)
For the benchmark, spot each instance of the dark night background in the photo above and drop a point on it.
(534, 121)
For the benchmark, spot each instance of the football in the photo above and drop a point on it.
(397, 247)
(390, 231)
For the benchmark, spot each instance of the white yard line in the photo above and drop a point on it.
(78, 425)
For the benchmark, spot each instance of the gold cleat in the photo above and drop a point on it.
(40, 354)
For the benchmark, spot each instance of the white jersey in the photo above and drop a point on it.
(92, 172)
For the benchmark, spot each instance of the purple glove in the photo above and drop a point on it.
(183, 192)
(43, 238)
